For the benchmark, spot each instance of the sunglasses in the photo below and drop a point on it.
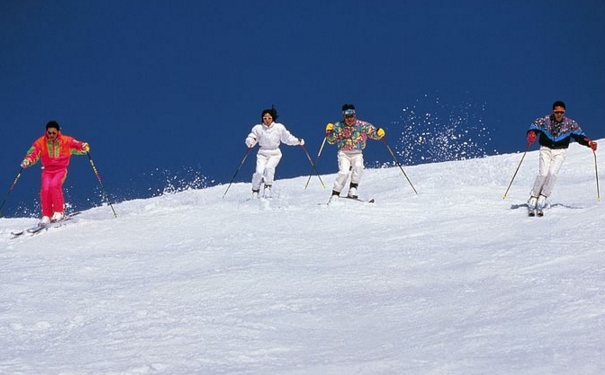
(51, 133)
(559, 112)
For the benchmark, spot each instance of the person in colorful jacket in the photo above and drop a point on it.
(350, 137)
(269, 135)
(53, 149)
(554, 132)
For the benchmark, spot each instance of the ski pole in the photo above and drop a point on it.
(94, 168)
(316, 160)
(517, 170)
(596, 172)
(399, 164)
(10, 190)
(237, 170)
(313, 165)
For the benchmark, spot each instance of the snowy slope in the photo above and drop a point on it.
(454, 280)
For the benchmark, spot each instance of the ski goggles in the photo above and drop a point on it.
(349, 113)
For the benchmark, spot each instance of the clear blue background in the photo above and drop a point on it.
(166, 91)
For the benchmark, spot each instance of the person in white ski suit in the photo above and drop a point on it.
(554, 132)
(269, 135)
(350, 136)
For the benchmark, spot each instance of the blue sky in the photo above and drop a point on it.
(163, 89)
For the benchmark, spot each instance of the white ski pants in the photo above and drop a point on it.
(550, 163)
(348, 162)
(266, 162)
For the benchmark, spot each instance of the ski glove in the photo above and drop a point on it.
(85, 147)
(591, 144)
(25, 163)
(329, 127)
(301, 141)
(250, 142)
(531, 137)
(380, 132)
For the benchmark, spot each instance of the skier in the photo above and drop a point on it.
(54, 150)
(269, 135)
(554, 132)
(350, 137)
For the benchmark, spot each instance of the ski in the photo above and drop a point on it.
(37, 228)
(40, 227)
(360, 200)
(17, 233)
(29, 230)
(350, 198)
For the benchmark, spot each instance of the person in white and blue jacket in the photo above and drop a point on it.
(554, 132)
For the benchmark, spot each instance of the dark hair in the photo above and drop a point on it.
(347, 106)
(558, 103)
(272, 112)
(53, 124)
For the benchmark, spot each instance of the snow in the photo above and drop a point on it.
(454, 280)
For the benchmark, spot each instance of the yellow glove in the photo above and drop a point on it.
(380, 132)
(329, 127)
(85, 147)
(25, 163)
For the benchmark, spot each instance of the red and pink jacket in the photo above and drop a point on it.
(54, 154)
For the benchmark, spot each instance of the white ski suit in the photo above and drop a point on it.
(268, 156)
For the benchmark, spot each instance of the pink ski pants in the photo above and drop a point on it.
(51, 193)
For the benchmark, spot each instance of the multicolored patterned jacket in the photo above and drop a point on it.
(353, 137)
(557, 135)
(54, 154)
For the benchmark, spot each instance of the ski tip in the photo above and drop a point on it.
(17, 233)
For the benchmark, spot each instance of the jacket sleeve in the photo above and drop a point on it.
(538, 125)
(33, 154)
(335, 134)
(371, 132)
(252, 138)
(287, 137)
(76, 147)
(581, 139)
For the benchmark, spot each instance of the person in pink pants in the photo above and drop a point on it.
(53, 149)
